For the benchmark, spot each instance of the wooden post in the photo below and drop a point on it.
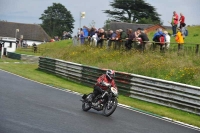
(197, 49)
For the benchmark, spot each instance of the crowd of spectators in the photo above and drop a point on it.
(130, 39)
(117, 39)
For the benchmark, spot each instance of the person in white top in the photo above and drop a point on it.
(167, 37)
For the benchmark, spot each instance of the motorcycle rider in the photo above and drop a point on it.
(103, 83)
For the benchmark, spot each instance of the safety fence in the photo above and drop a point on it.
(167, 93)
(23, 57)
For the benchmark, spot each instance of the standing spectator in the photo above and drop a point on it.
(90, 34)
(111, 38)
(179, 40)
(167, 37)
(183, 29)
(174, 22)
(123, 37)
(157, 38)
(144, 38)
(75, 40)
(79, 32)
(34, 48)
(129, 40)
(108, 35)
(94, 38)
(82, 38)
(101, 37)
(117, 40)
(137, 32)
(135, 42)
(86, 32)
(64, 35)
(182, 19)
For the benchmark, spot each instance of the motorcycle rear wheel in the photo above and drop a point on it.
(86, 105)
(108, 110)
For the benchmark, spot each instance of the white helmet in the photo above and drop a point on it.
(110, 74)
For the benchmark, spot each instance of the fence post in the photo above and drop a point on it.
(197, 49)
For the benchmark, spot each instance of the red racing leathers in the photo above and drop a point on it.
(104, 78)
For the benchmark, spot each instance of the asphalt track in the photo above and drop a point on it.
(30, 107)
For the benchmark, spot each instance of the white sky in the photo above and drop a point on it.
(29, 11)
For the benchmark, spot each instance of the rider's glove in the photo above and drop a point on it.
(105, 84)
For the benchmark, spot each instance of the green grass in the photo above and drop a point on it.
(31, 71)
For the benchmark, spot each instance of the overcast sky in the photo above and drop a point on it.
(29, 11)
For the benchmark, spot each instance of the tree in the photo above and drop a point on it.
(57, 19)
(133, 11)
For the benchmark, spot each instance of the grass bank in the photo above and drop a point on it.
(31, 71)
(168, 66)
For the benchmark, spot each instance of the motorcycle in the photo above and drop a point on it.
(106, 102)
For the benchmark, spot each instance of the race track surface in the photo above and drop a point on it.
(30, 107)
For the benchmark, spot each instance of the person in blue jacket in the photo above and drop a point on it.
(159, 38)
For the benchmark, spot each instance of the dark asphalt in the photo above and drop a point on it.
(29, 107)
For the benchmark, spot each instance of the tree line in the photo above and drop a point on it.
(57, 18)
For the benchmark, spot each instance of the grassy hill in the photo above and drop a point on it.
(167, 66)
(192, 38)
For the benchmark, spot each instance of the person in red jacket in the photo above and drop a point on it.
(181, 20)
(103, 83)
(174, 22)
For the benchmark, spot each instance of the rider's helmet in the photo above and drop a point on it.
(110, 74)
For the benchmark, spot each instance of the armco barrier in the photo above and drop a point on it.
(167, 93)
(24, 57)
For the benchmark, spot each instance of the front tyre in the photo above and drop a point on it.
(110, 107)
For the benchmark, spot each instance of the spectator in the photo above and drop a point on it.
(167, 37)
(123, 37)
(157, 40)
(64, 35)
(94, 38)
(56, 38)
(75, 40)
(183, 29)
(174, 23)
(34, 48)
(117, 40)
(91, 32)
(85, 31)
(179, 40)
(144, 39)
(137, 32)
(78, 33)
(111, 38)
(82, 38)
(135, 42)
(108, 35)
(182, 19)
(101, 37)
(129, 40)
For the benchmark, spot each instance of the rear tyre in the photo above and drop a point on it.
(86, 104)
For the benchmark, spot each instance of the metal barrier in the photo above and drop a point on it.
(23, 57)
(167, 93)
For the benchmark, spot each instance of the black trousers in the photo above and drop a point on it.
(128, 44)
(97, 90)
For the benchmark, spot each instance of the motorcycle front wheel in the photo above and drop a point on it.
(85, 104)
(110, 107)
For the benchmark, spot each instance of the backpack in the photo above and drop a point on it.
(162, 39)
(186, 32)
